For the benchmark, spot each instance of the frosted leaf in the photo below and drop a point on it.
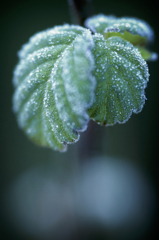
(73, 92)
(122, 76)
(41, 78)
(51, 37)
(134, 30)
(98, 23)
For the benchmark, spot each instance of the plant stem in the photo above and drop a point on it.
(80, 10)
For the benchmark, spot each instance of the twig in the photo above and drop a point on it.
(80, 10)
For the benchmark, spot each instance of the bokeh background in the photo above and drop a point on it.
(92, 190)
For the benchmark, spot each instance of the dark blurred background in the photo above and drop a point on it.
(136, 141)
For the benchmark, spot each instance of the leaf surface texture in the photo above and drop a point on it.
(54, 85)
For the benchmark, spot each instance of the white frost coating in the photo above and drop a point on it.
(132, 25)
(101, 23)
(34, 101)
(76, 97)
(121, 89)
(70, 28)
(94, 22)
(49, 120)
(73, 72)
(50, 37)
(31, 83)
(34, 60)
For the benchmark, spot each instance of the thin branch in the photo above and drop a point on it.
(80, 10)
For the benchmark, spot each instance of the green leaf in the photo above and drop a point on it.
(110, 24)
(54, 86)
(73, 92)
(136, 31)
(136, 39)
(122, 76)
(98, 23)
